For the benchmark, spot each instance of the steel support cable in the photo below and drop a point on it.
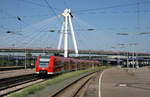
(9, 15)
(50, 7)
(31, 35)
(77, 32)
(33, 3)
(8, 38)
(82, 40)
(83, 23)
(37, 37)
(39, 41)
(32, 16)
(44, 32)
(58, 27)
(114, 12)
(6, 13)
(103, 12)
(36, 26)
(84, 36)
(28, 36)
(14, 16)
(46, 39)
(52, 38)
(111, 7)
(37, 4)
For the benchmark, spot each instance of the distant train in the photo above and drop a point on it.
(55, 64)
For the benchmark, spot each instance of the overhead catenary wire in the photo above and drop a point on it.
(39, 29)
(81, 24)
(111, 7)
(33, 3)
(83, 29)
(51, 41)
(29, 16)
(37, 4)
(26, 35)
(113, 12)
(50, 7)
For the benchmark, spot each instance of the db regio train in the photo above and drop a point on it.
(55, 64)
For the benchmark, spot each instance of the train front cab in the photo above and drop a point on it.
(44, 65)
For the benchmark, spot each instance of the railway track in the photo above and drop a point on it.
(12, 84)
(74, 89)
(8, 68)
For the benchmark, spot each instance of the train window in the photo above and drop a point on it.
(66, 62)
(57, 61)
(44, 62)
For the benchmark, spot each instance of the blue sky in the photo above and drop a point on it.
(108, 17)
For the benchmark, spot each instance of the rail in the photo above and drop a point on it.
(84, 80)
(11, 82)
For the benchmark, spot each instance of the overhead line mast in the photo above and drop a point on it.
(64, 30)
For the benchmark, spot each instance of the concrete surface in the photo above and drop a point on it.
(120, 82)
(12, 73)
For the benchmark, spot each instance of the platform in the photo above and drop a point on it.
(119, 82)
(13, 73)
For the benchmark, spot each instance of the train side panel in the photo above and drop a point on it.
(37, 65)
(58, 66)
(50, 68)
(54, 64)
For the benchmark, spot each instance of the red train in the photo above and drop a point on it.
(54, 64)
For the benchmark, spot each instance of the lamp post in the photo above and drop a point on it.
(13, 55)
(113, 47)
(124, 34)
(126, 55)
(142, 33)
(133, 44)
(25, 65)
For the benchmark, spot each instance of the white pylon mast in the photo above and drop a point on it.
(66, 37)
(73, 37)
(67, 19)
(61, 36)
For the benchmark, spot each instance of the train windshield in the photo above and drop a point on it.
(44, 62)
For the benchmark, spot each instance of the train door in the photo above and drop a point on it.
(76, 65)
(73, 65)
(63, 66)
(66, 65)
(58, 66)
